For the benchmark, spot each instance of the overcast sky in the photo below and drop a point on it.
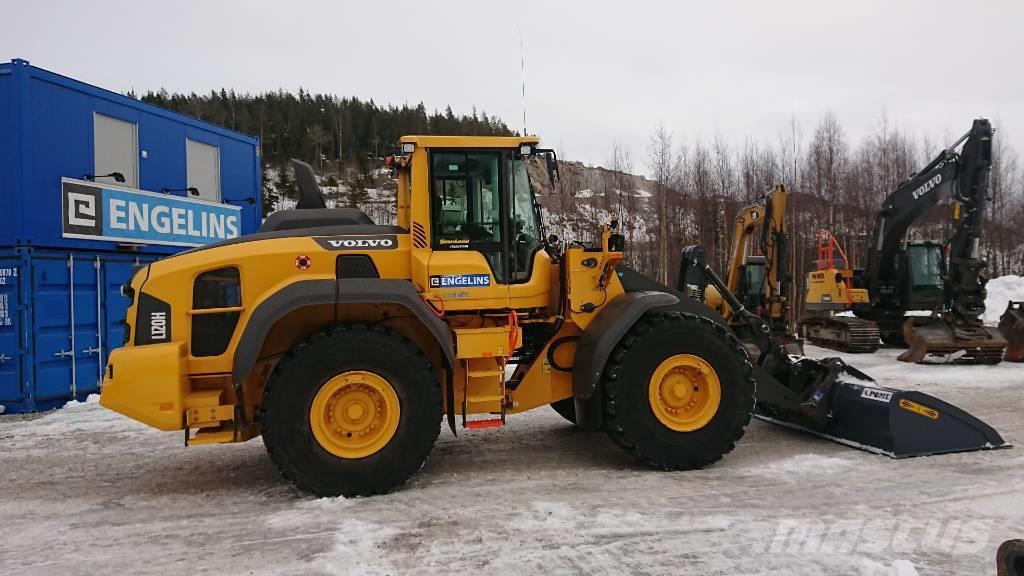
(596, 72)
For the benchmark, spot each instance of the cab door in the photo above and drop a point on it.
(530, 267)
(468, 267)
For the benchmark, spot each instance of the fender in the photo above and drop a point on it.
(313, 292)
(610, 325)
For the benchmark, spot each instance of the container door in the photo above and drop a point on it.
(12, 349)
(51, 315)
(85, 322)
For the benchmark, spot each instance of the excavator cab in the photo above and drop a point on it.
(752, 276)
(922, 266)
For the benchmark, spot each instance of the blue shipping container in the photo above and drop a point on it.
(54, 129)
(61, 312)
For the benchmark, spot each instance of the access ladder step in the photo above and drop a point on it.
(482, 398)
(482, 424)
(484, 373)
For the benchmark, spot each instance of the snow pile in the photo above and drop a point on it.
(90, 399)
(897, 568)
(1000, 291)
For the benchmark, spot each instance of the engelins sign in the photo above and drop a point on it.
(100, 212)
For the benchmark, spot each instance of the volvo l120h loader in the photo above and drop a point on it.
(345, 343)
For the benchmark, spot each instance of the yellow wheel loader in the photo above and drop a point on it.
(345, 343)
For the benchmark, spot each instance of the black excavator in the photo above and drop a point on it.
(945, 278)
(948, 278)
(831, 399)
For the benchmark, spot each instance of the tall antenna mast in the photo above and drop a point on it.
(522, 69)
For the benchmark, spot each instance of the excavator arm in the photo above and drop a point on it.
(965, 282)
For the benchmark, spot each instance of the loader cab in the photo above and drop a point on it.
(476, 221)
(482, 200)
(922, 267)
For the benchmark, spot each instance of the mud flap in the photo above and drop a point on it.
(937, 341)
(837, 402)
(1011, 326)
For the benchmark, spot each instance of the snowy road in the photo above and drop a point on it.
(87, 491)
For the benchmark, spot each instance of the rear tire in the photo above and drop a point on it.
(630, 414)
(287, 412)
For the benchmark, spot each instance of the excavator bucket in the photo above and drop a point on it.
(838, 402)
(934, 340)
(1011, 326)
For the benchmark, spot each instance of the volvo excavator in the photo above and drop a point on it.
(758, 280)
(946, 278)
(345, 343)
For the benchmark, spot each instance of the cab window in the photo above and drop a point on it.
(466, 190)
(925, 267)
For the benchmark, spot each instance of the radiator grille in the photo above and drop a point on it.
(356, 266)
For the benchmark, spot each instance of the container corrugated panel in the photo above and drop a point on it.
(47, 130)
(61, 312)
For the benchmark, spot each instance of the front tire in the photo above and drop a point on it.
(678, 391)
(353, 411)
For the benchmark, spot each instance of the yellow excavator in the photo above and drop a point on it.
(346, 343)
(830, 290)
(758, 279)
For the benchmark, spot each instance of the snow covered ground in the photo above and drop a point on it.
(86, 491)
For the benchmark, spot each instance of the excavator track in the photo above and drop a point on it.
(842, 333)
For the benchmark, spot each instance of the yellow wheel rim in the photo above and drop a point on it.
(354, 414)
(685, 393)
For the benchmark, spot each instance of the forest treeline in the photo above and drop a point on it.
(695, 188)
(690, 195)
(322, 129)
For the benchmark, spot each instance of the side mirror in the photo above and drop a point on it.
(616, 243)
(552, 164)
